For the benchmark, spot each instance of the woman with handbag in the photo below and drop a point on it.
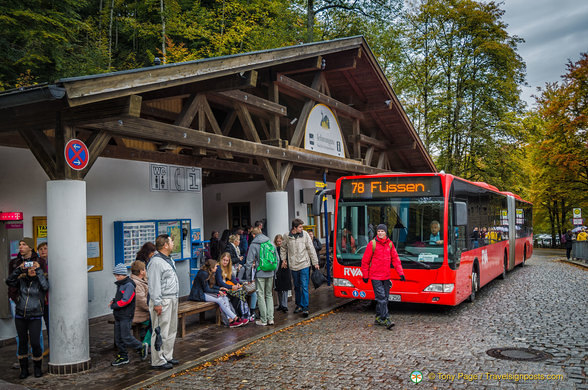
(283, 282)
(225, 277)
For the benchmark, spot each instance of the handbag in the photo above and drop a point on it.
(249, 287)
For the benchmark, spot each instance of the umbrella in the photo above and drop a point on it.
(158, 341)
(578, 228)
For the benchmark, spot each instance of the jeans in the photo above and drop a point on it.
(283, 298)
(253, 301)
(301, 287)
(381, 291)
(266, 303)
(223, 303)
(123, 336)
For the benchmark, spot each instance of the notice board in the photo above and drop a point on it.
(93, 238)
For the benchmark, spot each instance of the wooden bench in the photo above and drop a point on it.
(188, 308)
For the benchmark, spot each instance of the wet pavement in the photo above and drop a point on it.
(203, 341)
(542, 306)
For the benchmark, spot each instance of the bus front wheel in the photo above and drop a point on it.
(475, 283)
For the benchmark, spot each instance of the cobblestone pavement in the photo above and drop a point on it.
(542, 306)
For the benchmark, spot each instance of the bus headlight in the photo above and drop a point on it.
(342, 283)
(442, 288)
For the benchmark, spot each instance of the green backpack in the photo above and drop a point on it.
(268, 260)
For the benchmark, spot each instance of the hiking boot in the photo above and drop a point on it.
(388, 323)
(120, 360)
(305, 313)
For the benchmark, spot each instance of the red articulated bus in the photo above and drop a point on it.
(483, 234)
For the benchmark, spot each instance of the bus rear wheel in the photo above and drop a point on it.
(475, 284)
(504, 267)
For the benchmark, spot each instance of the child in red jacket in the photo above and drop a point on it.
(375, 266)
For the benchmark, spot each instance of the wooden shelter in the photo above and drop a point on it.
(239, 117)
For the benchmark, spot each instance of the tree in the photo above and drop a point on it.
(560, 146)
(459, 80)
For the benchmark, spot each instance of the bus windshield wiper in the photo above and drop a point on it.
(415, 262)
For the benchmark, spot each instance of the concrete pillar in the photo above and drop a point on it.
(276, 205)
(68, 277)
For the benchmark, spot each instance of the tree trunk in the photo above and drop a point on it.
(162, 34)
(110, 35)
(310, 21)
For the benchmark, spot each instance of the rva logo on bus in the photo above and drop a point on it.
(352, 272)
(484, 256)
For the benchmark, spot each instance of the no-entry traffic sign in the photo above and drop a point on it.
(76, 154)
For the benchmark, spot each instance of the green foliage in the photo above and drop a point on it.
(559, 146)
(460, 80)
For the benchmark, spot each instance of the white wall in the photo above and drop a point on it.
(216, 197)
(115, 189)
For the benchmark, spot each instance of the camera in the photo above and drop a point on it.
(28, 264)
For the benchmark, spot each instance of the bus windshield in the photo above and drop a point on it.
(415, 225)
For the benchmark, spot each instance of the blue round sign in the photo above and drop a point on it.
(76, 154)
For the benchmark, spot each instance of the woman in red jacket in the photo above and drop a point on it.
(379, 254)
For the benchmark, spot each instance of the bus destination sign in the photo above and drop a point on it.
(390, 187)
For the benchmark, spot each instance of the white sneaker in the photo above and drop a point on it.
(259, 322)
(270, 322)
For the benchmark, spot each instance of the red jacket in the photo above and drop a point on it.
(385, 253)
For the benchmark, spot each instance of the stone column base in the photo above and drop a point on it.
(65, 369)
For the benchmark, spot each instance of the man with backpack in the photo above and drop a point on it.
(298, 249)
(261, 265)
(379, 256)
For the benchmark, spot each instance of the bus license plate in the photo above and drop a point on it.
(394, 298)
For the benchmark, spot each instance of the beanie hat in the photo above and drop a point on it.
(29, 241)
(119, 269)
(382, 227)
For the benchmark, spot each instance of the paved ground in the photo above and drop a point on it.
(542, 306)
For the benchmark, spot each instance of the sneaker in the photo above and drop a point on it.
(260, 323)
(385, 322)
(252, 318)
(245, 321)
(305, 313)
(144, 351)
(120, 360)
(298, 309)
(236, 324)
(270, 322)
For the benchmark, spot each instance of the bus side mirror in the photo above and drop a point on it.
(460, 213)
(318, 200)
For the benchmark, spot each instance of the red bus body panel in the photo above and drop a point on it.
(490, 259)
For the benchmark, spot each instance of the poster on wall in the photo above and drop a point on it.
(174, 230)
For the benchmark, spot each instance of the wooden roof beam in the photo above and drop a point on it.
(163, 132)
(288, 85)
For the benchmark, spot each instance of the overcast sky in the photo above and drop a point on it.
(554, 31)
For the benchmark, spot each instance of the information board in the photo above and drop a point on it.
(93, 239)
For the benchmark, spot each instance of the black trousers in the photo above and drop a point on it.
(28, 329)
(123, 336)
